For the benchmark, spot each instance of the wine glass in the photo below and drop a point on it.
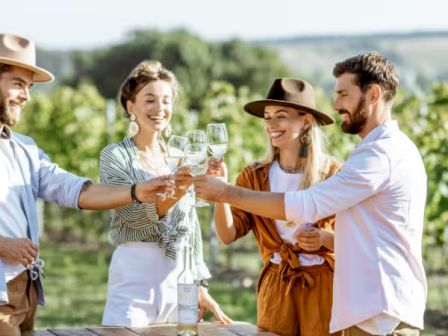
(196, 158)
(196, 136)
(217, 139)
(175, 152)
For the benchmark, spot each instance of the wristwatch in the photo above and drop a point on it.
(203, 283)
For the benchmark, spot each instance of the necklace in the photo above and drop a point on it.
(155, 164)
(289, 170)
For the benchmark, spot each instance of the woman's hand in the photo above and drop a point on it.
(183, 181)
(313, 239)
(206, 303)
(310, 239)
(217, 167)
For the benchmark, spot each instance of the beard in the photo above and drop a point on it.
(356, 120)
(7, 115)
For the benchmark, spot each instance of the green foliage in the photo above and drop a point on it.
(70, 126)
(247, 139)
(425, 120)
(194, 61)
(75, 286)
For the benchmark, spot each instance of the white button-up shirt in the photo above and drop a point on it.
(13, 222)
(379, 199)
(26, 174)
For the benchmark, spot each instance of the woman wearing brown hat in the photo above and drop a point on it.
(295, 284)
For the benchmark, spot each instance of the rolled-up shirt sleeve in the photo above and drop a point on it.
(57, 185)
(243, 220)
(366, 172)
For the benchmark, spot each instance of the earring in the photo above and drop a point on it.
(133, 127)
(305, 140)
(167, 131)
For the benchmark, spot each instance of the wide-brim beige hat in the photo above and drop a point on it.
(290, 92)
(21, 52)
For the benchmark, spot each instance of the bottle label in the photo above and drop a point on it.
(187, 301)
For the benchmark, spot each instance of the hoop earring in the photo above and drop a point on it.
(133, 127)
(305, 140)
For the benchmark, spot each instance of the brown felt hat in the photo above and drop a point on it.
(290, 92)
(20, 52)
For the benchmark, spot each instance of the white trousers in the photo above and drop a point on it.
(142, 287)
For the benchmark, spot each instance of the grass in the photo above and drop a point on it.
(76, 284)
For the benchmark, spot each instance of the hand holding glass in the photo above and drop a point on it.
(217, 139)
(196, 158)
(175, 152)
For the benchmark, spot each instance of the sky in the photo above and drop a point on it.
(84, 24)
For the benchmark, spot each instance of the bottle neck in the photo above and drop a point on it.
(187, 258)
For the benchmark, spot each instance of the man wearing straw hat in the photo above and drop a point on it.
(26, 173)
(379, 200)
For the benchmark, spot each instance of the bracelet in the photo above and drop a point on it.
(203, 283)
(134, 198)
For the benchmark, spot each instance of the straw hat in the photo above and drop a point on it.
(20, 52)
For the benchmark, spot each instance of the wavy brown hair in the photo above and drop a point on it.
(370, 68)
(145, 72)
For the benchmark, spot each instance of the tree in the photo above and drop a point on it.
(195, 62)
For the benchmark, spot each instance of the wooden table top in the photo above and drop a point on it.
(205, 329)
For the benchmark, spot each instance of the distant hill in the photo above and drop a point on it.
(420, 57)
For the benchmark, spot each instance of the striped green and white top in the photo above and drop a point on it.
(120, 165)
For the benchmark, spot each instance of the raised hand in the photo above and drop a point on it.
(156, 188)
(217, 167)
(209, 187)
(183, 180)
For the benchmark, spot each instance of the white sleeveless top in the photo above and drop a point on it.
(279, 181)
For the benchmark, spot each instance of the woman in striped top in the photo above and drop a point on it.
(145, 266)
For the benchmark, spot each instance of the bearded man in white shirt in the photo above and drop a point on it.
(379, 199)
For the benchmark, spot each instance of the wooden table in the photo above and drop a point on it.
(205, 329)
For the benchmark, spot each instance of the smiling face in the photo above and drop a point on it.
(153, 106)
(350, 103)
(14, 93)
(284, 125)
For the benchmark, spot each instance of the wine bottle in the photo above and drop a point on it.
(187, 298)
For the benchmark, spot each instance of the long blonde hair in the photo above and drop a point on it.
(317, 162)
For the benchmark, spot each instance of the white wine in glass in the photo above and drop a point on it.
(217, 139)
(196, 158)
(175, 152)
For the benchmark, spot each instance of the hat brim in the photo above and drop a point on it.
(256, 108)
(40, 75)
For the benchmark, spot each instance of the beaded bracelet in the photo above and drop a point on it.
(133, 196)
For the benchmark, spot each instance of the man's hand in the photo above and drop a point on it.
(206, 303)
(159, 187)
(210, 188)
(311, 239)
(18, 250)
